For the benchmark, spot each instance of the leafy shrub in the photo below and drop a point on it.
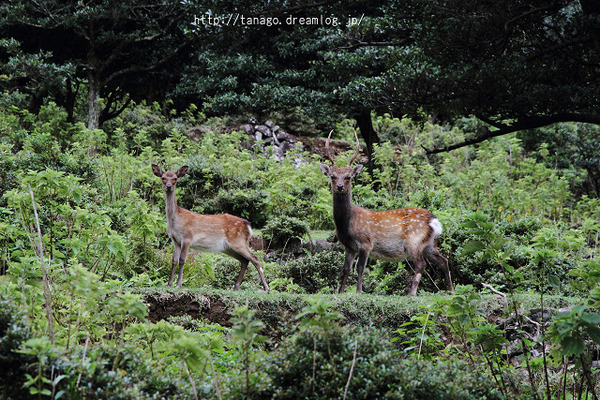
(285, 231)
(316, 272)
(14, 331)
(115, 373)
(250, 204)
(388, 278)
(303, 368)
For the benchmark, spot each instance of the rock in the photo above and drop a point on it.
(281, 136)
(248, 129)
(536, 314)
(263, 129)
(285, 146)
(279, 154)
(270, 134)
(317, 245)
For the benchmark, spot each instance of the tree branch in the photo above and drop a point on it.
(519, 125)
(356, 43)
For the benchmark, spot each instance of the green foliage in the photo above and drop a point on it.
(316, 315)
(246, 330)
(513, 216)
(378, 371)
(14, 331)
(570, 328)
(285, 231)
(40, 385)
(419, 337)
(315, 272)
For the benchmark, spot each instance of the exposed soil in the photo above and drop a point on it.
(162, 305)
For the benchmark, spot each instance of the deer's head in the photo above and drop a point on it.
(169, 178)
(341, 177)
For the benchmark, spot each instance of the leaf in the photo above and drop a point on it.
(572, 346)
(472, 247)
(591, 318)
(594, 333)
(554, 281)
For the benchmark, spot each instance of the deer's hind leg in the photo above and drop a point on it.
(240, 278)
(434, 255)
(419, 261)
(245, 256)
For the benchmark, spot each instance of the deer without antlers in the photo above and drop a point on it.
(388, 235)
(223, 233)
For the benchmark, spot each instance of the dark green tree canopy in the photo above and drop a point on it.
(513, 65)
(122, 50)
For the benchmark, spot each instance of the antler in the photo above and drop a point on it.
(327, 153)
(357, 150)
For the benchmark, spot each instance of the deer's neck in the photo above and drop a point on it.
(171, 207)
(342, 215)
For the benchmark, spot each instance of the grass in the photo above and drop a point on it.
(279, 310)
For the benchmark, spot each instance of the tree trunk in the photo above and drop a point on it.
(365, 124)
(71, 89)
(94, 87)
(93, 102)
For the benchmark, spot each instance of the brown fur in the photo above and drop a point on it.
(223, 233)
(389, 235)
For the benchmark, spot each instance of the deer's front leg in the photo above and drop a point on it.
(182, 257)
(350, 255)
(176, 253)
(363, 257)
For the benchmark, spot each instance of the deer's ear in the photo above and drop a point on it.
(157, 171)
(325, 169)
(356, 170)
(181, 171)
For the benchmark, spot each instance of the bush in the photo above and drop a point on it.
(117, 373)
(285, 231)
(309, 368)
(316, 272)
(250, 204)
(14, 331)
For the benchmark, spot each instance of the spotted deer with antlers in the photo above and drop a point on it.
(390, 235)
(222, 233)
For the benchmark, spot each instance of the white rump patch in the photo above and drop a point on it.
(436, 225)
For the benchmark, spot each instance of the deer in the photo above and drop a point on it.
(224, 233)
(391, 235)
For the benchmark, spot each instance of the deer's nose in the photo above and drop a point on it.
(340, 187)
